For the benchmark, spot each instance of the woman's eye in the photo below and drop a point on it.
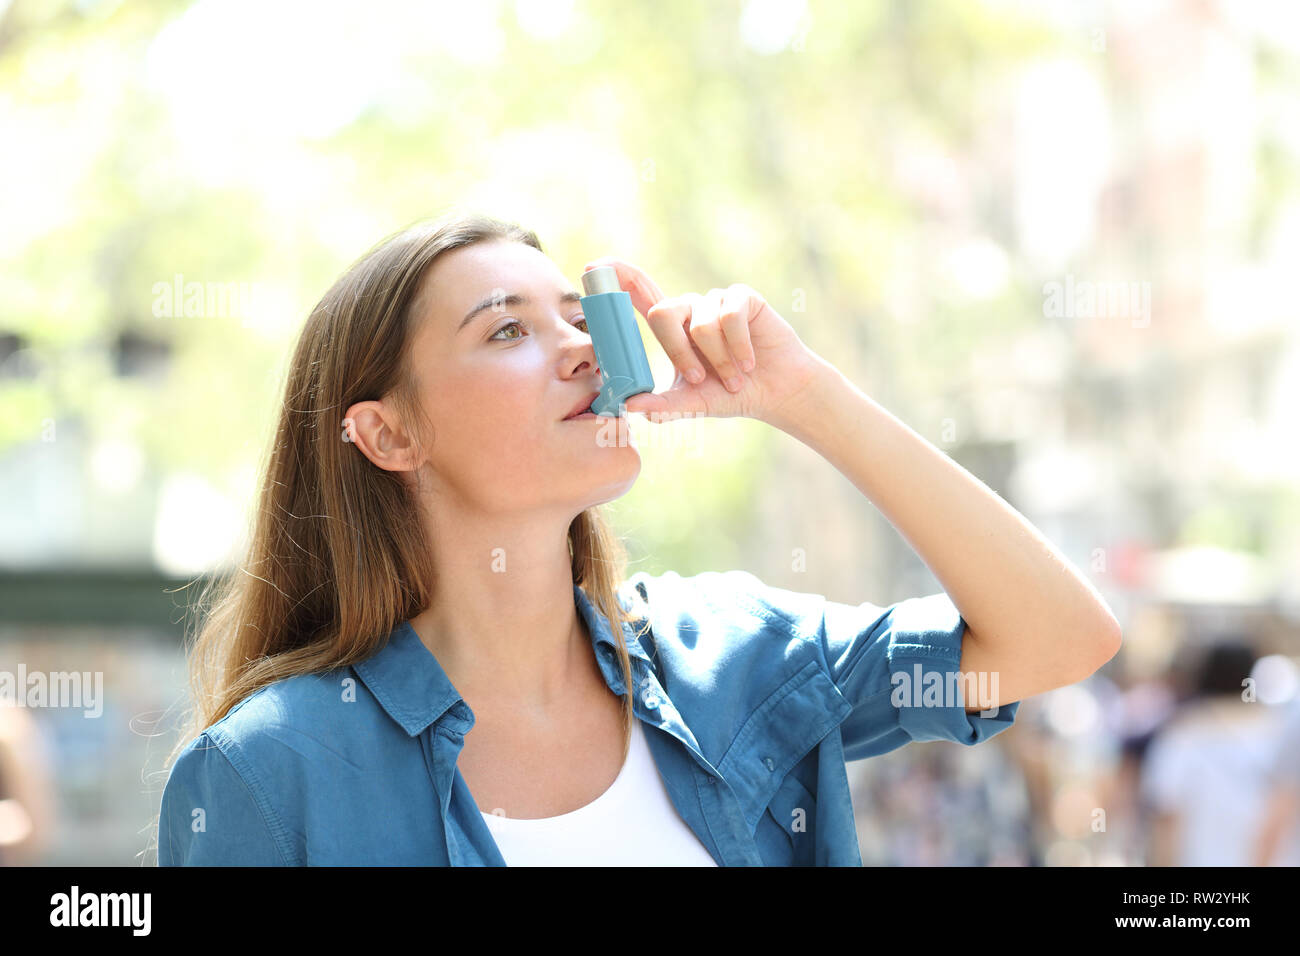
(508, 338)
(515, 323)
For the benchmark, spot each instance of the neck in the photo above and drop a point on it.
(503, 623)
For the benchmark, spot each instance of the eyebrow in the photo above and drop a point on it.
(508, 301)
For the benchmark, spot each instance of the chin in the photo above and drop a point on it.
(617, 481)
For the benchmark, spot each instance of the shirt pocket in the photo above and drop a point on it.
(789, 723)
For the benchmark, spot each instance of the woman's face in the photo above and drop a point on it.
(500, 356)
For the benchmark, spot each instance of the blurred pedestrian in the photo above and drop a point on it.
(1278, 843)
(1204, 780)
(26, 788)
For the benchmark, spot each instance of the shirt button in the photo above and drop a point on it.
(767, 762)
(651, 700)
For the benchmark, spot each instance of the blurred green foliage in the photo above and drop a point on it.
(723, 164)
(709, 142)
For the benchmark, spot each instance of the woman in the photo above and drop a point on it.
(1206, 775)
(431, 655)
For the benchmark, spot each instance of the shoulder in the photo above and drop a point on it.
(249, 772)
(288, 732)
(711, 625)
(313, 722)
(287, 705)
(720, 598)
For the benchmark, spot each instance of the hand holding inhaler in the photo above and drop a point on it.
(733, 354)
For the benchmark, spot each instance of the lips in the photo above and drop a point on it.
(582, 406)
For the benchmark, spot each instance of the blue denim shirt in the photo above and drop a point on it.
(757, 697)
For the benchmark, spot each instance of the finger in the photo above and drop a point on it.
(738, 302)
(707, 333)
(653, 404)
(664, 406)
(667, 319)
(643, 290)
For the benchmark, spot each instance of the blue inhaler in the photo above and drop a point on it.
(611, 322)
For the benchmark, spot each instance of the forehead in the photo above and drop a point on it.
(460, 278)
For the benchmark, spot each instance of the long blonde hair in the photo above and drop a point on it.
(338, 555)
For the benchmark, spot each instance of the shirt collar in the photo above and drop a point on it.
(414, 690)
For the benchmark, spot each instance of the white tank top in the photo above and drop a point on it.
(633, 823)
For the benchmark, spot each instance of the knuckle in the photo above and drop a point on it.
(705, 327)
(664, 307)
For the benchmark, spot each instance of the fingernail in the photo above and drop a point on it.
(695, 376)
(747, 365)
(733, 383)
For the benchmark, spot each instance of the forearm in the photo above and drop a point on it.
(1014, 589)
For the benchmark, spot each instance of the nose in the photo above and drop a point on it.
(578, 350)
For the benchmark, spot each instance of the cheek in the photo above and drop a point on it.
(513, 379)
(489, 427)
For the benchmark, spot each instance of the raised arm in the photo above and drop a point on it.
(1030, 616)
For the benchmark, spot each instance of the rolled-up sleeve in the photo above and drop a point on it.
(899, 666)
(210, 816)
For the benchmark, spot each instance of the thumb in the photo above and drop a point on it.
(645, 402)
(676, 400)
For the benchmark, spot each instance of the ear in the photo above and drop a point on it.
(373, 427)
